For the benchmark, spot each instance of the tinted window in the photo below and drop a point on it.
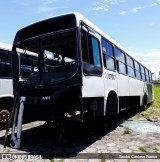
(147, 75)
(130, 61)
(109, 61)
(136, 66)
(96, 52)
(90, 49)
(122, 68)
(29, 64)
(120, 60)
(119, 55)
(137, 69)
(130, 66)
(5, 64)
(131, 71)
(142, 72)
(150, 76)
(107, 48)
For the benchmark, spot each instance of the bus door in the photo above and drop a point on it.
(93, 85)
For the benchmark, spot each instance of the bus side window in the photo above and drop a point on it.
(109, 61)
(96, 52)
(120, 59)
(137, 69)
(142, 73)
(84, 45)
(130, 66)
(29, 64)
(90, 49)
(147, 76)
(5, 64)
(150, 76)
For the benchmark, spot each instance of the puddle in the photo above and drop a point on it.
(141, 126)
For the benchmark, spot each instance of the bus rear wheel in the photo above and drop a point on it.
(4, 116)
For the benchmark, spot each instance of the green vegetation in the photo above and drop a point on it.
(126, 130)
(128, 160)
(141, 148)
(155, 149)
(57, 160)
(52, 160)
(156, 103)
(153, 112)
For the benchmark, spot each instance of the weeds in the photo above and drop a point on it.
(155, 149)
(126, 130)
(141, 148)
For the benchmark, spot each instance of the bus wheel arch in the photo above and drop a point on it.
(112, 102)
(144, 102)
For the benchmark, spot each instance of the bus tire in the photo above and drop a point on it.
(5, 113)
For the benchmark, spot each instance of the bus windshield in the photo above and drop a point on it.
(54, 59)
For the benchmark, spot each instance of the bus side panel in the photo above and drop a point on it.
(150, 92)
(110, 82)
(123, 85)
(6, 86)
(136, 87)
(92, 86)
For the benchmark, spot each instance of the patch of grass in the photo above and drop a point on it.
(126, 130)
(156, 102)
(141, 148)
(138, 115)
(153, 111)
(102, 157)
(52, 160)
(155, 149)
(58, 160)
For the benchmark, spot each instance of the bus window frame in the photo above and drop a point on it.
(107, 55)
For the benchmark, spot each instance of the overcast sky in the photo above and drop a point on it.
(135, 24)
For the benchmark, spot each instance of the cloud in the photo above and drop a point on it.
(42, 6)
(123, 13)
(110, 1)
(152, 23)
(151, 60)
(101, 8)
(133, 10)
(155, 3)
(105, 5)
(137, 9)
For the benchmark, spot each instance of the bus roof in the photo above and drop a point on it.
(81, 18)
(5, 46)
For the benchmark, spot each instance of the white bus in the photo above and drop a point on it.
(6, 81)
(6, 88)
(79, 69)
